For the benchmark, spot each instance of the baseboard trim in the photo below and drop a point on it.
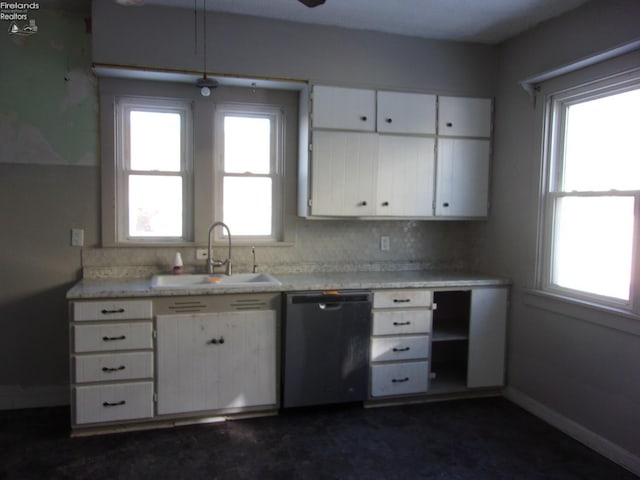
(14, 397)
(604, 447)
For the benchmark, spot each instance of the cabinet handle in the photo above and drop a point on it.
(445, 204)
(362, 204)
(107, 312)
(399, 324)
(111, 339)
(113, 404)
(363, 118)
(385, 204)
(389, 120)
(404, 349)
(400, 380)
(401, 300)
(216, 341)
(113, 369)
(449, 124)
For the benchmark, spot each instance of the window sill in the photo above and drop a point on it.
(604, 316)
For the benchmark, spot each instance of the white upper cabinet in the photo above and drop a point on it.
(464, 117)
(462, 185)
(411, 113)
(344, 108)
(375, 153)
(344, 173)
(406, 168)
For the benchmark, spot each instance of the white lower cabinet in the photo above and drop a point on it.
(399, 378)
(108, 403)
(438, 342)
(213, 361)
(111, 361)
(400, 342)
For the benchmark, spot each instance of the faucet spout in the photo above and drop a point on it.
(211, 263)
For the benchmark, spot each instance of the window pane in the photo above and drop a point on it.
(593, 245)
(247, 145)
(155, 141)
(155, 206)
(602, 145)
(247, 205)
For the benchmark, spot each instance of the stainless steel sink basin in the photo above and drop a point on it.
(206, 281)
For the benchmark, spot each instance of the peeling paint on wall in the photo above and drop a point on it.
(48, 93)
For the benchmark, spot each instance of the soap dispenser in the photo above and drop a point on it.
(177, 264)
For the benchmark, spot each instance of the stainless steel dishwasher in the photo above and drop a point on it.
(326, 347)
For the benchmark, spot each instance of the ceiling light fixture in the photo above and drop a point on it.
(205, 84)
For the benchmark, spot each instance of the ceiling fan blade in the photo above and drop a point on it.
(312, 3)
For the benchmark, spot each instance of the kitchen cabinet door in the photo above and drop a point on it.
(464, 117)
(406, 170)
(462, 181)
(403, 112)
(343, 173)
(487, 337)
(216, 361)
(343, 108)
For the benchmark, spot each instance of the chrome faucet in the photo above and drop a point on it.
(211, 263)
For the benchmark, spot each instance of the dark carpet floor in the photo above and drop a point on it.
(468, 439)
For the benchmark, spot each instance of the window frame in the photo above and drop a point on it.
(276, 116)
(123, 106)
(555, 114)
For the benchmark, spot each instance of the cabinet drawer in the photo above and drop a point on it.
(106, 403)
(399, 378)
(112, 310)
(116, 336)
(400, 322)
(399, 348)
(402, 298)
(119, 366)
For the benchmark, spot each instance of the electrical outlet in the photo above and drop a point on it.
(201, 253)
(77, 237)
(384, 243)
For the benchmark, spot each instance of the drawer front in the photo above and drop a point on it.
(386, 349)
(106, 403)
(400, 322)
(399, 378)
(119, 366)
(402, 298)
(116, 336)
(112, 310)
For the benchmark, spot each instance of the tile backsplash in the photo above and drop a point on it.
(320, 245)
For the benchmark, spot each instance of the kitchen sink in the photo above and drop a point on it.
(206, 281)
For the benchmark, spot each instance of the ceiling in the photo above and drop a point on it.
(483, 21)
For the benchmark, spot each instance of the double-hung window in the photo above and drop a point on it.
(249, 170)
(591, 247)
(153, 170)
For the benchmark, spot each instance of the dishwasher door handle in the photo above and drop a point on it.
(330, 306)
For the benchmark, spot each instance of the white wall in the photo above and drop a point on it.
(581, 371)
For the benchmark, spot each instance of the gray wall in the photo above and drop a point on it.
(583, 371)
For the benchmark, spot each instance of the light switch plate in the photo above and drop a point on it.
(201, 254)
(77, 237)
(384, 243)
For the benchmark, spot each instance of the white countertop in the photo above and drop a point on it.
(118, 288)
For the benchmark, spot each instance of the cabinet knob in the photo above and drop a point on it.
(362, 204)
(389, 120)
(449, 124)
(363, 118)
(445, 204)
(385, 204)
